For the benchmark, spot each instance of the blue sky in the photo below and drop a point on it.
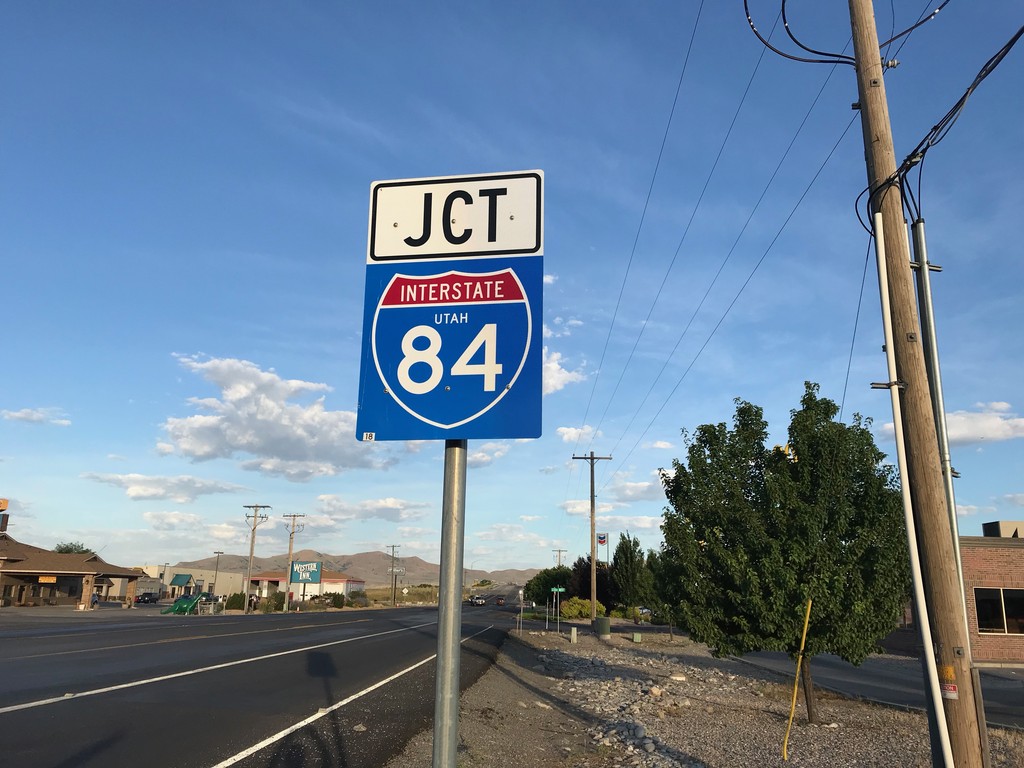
(184, 194)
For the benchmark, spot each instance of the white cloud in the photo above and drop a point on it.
(573, 434)
(560, 327)
(531, 518)
(172, 521)
(581, 507)
(51, 416)
(486, 453)
(550, 279)
(1015, 498)
(256, 415)
(661, 445)
(630, 523)
(182, 489)
(970, 510)
(626, 491)
(988, 422)
(513, 534)
(550, 470)
(555, 376)
(392, 509)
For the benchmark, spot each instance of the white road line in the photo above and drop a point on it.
(189, 638)
(136, 683)
(327, 710)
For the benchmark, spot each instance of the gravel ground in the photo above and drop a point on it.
(666, 703)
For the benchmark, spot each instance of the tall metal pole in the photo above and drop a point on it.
(253, 518)
(923, 269)
(591, 459)
(942, 589)
(291, 543)
(449, 618)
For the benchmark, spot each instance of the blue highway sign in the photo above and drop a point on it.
(452, 344)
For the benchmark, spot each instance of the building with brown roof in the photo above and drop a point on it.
(35, 576)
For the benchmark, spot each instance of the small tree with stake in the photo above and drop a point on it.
(752, 534)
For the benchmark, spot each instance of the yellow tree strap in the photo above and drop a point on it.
(796, 680)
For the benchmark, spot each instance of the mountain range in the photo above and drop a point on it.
(372, 567)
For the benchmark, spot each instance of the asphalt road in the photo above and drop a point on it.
(900, 681)
(117, 687)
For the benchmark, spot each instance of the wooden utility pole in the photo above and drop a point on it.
(253, 518)
(291, 543)
(939, 575)
(591, 459)
(394, 576)
(558, 554)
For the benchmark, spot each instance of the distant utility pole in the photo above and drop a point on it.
(943, 598)
(591, 459)
(216, 572)
(558, 555)
(253, 518)
(291, 541)
(394, 576)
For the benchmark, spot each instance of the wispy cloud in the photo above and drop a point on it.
(987, 422)
(52, 416)
(572, 434)
(486, 453)
(182, 489)
(390, 508)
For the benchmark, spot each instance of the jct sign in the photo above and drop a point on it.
(454, 280)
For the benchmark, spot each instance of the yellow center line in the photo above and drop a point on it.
(177, 640)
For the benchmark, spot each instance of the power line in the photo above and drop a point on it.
(643, 216)
(736, 297)
(686, 232)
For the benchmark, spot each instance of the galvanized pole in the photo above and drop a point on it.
(449, 619)
(926, 309)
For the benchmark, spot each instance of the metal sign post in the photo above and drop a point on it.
(449, 619)
(452, 350)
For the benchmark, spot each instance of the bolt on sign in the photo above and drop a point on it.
(452, 313)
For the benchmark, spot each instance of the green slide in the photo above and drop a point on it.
(184, 604)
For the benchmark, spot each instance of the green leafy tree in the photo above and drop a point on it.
(752, 534)
(632, 580)
(539, 587)
(72, 548)
(579, 582)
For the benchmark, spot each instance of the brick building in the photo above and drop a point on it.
(993, 567)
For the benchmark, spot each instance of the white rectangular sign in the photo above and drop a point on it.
(456, 217)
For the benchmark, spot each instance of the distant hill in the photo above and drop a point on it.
(371, 567)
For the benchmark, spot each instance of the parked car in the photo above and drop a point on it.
(479, 600)
(147, 597)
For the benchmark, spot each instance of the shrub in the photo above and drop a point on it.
(236, 602)
(335, 599)
(358, 599)
(575, 608)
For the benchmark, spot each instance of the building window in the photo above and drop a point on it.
(1000, 610)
